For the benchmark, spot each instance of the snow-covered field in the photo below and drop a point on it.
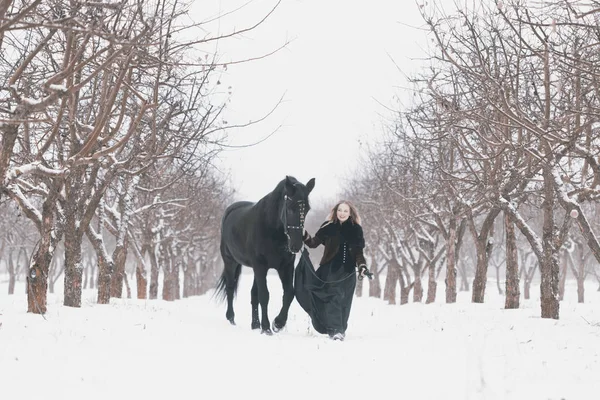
(134, 349)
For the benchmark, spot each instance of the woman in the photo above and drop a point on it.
(327, 294)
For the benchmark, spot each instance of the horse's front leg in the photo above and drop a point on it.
(287, 281)
(260, 278)
(254, 303)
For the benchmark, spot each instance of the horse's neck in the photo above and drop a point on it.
(269, 206)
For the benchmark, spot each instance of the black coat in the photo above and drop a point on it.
(337, 238)
(326, 294)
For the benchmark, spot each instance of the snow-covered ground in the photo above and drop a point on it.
(142, 349)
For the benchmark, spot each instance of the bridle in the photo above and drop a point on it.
(287, 227)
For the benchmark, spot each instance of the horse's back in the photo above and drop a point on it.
(235, 213)
(235, 230)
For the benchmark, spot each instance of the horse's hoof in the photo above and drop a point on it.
(267, 332)
(232, 322)
(255, 325)
(277, 328)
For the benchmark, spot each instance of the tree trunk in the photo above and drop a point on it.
(464, 280)
(512, 266)
(119, 258)
(126, 282)
(86, 274)
(9, 138)
(37, 276)
(527, 279)
(190, 279)
(205, 274)
(480, 280)
(92, 269)
(375, 287)
(549, 269)
(167, 292)
(451, 262)
(418, 288)
(484, 248)
(104, 265)
(154, 269)
(375, 283)
(37, 284)
(73, 281)
(11, 284)
(549, 296)
(580, 288)
(51, 279)
(105, 269)
(56, 270)
(405, 287)
(73, 269)
(176, 280)
(578, 271)
(167, 262)
(391, 280)
(498, 286)
(11, 273)
(563, 276)
(141, 280)
(431, 286)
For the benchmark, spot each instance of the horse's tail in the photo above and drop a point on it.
(220, 294)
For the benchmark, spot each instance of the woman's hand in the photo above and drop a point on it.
(364, 271)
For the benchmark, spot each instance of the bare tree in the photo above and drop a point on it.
(92, 92)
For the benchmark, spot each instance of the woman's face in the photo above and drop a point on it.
(343, 212)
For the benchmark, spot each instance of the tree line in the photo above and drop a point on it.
(110, 122)
(495, 158)
(110, 126)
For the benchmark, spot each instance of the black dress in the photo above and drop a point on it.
(326, 294)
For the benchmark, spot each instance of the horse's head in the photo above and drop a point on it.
(294, 209)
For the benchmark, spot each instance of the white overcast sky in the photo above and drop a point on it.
(339, 64)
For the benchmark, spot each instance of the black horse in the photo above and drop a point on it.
(264, 235)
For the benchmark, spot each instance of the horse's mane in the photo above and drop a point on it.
(270, 204)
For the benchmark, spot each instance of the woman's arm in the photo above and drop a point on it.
(319, 237)
(359, 257)
(311, 242)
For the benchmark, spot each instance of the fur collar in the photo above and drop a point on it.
(348, 231)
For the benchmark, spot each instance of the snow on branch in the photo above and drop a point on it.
(383, 252)
(574, 209)
(533, 239)
(159, 203)
(30, 188)
(34, 167)
(111, 6)
(14, 191)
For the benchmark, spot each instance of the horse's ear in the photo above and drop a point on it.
(290, 189)
(310, 185)
(288, 181)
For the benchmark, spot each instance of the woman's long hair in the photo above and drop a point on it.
(354, 217)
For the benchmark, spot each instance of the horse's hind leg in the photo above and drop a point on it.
(287, 281)
(260, 279)
(254, 303)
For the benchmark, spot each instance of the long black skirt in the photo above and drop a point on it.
(325, 294)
